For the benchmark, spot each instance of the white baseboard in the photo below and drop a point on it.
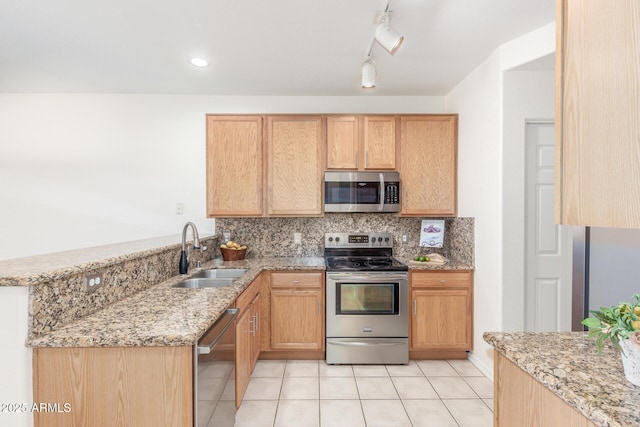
(486, 370)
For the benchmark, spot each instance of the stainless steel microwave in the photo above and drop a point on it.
(361, 191)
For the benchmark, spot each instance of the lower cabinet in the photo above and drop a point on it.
(247, 336)
(114, 386)
(441, 314)
(296, 315)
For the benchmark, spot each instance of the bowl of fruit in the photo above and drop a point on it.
(232, 251)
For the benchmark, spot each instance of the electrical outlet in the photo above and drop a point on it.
(179, 208)
(297, 238)
(226, 236)
(93, 281)
(404, 238)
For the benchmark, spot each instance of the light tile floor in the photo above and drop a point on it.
(300, 393)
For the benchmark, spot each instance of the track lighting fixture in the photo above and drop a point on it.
(386, 37)
(368, 74)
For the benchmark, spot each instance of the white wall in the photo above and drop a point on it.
(91, 169)
(15, 358)
(479, 100)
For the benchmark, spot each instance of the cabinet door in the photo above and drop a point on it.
(234, 166)
(295, 166)
(379, 142)
(297, 311)
(244, 359)
(441, 319)
(255, 334)
(598, 114)
(296, 319)
(428, 165)
(343, 137)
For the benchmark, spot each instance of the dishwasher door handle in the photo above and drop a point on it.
(206, 349)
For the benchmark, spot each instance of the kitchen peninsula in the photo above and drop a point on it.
(558, 379)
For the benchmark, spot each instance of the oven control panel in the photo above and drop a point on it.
(358, 240)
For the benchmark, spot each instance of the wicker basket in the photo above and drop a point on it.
(233, 254)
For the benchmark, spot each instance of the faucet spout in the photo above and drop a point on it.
(184, 260)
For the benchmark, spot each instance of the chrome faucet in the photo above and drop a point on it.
(184, 261)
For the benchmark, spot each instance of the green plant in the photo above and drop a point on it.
(615, 323)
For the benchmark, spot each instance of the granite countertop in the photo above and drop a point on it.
(163, 315)
(449, 265)
(567, 363)
(32, 270)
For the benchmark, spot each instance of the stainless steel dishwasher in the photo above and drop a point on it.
(214, 387)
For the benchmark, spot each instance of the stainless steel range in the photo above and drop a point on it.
(367, 300)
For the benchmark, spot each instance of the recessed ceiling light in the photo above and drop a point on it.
(199, 62)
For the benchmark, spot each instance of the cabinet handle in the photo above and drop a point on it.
(357, 159)
(252, 330)
(414, 307)
(443, 281)
(296, 282)
(319, 307)
(404, 198)
(366, 159)
(256, 321)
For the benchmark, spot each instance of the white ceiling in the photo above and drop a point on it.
(255, 47)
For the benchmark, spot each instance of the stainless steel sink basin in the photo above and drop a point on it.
(201, 282)
(216, 273)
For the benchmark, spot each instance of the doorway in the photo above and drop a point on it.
(548, 246)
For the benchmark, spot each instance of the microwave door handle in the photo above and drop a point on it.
(381, 206)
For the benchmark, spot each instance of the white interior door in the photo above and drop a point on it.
(547, 245)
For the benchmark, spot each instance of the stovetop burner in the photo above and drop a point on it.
(364, 263)
(361, 252)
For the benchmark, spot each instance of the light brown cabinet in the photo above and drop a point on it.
(295, 166)
(297, 312)
(247, 335)
(234, 166)
(264, 165)
(115, 386)
(361, 142)
(597, 113)
(441, 314)
(521, 400)
(428, 165)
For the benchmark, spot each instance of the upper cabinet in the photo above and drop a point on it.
(234, 166)
(428, 165)
(361, 142)
(598, 113)
(295, 167)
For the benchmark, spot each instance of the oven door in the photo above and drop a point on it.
(367, 304)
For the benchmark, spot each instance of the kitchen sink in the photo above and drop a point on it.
(202, 282)
(219, 273)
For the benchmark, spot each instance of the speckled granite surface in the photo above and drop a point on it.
(163, 315)
(567, 363)
(33, 270)
(57, 294)
(274, 236)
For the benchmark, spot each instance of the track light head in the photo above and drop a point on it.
(368, 74)
(388, 38)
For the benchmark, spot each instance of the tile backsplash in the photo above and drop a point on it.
(274, 236)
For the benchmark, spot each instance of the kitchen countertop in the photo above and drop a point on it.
(160, 315)
(163, 315)
(567, 363)
(33, 270)
(449, 265)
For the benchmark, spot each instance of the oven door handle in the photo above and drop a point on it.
(381, 206)
(366, 344)
(382, 278)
